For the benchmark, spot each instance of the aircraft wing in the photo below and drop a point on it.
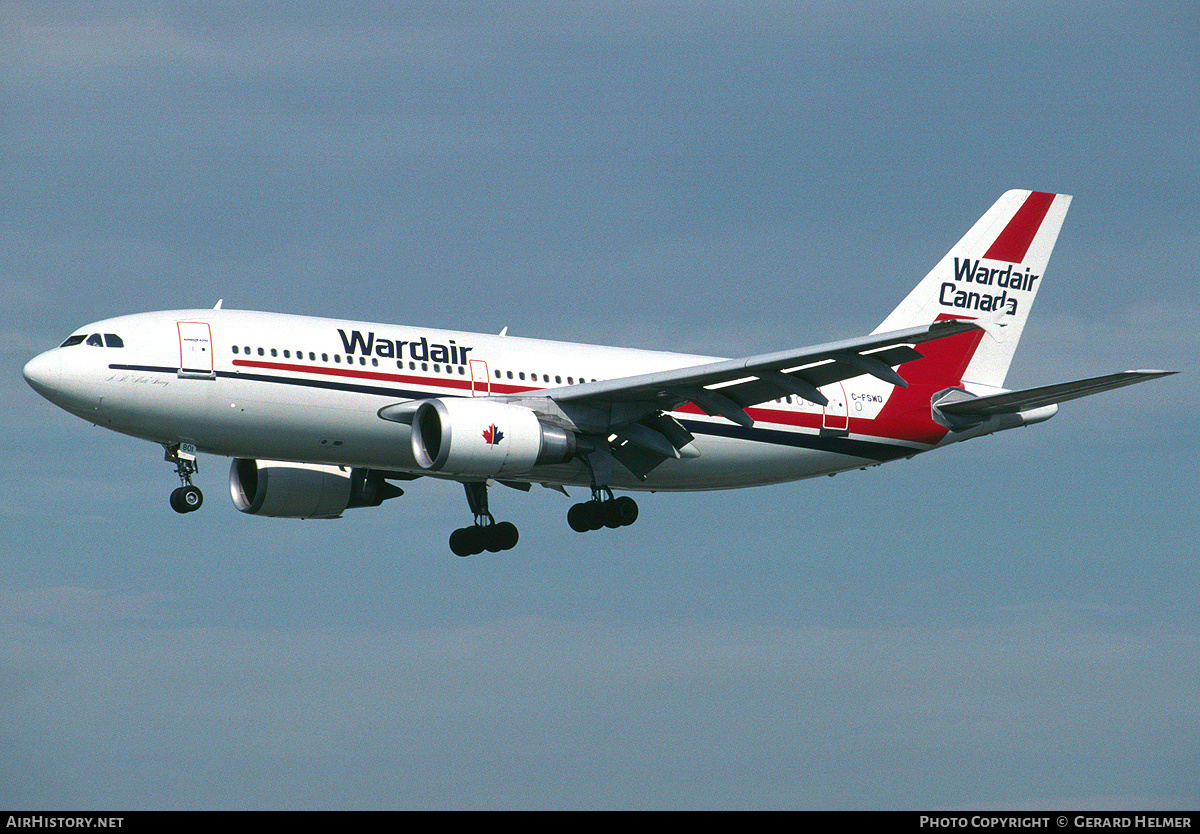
(728, 387)
(630, 415)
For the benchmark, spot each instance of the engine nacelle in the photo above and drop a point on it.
(485, 438)
(304, 490)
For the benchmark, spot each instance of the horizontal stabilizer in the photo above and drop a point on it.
(1013, 402)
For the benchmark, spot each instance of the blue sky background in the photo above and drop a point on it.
(1007, 624)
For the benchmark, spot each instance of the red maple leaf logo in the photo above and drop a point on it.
(492, 435)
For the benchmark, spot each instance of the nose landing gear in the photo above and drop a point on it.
(186, 498)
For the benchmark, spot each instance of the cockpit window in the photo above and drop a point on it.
(111, 340)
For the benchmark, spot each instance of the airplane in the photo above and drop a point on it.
(321, 415)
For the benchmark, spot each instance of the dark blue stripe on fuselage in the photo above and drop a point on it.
(866, 449)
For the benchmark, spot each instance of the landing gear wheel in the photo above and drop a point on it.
(502, 536)
(577, 517)
(609, 518)
(594, 514)
(588, 515)
(623, 510)
(186, 499)
(467, 541)
(473, 540)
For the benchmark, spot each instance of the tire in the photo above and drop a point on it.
(492, 540)
(475, 539)
(190, 498)
(610, 515)
(577, 518)
(625, 509)
(458, 542)
(506, 534)
(594, 513)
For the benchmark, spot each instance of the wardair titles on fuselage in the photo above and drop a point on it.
(973, 272)
(421, 350)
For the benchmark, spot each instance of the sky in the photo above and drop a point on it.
(1010, 623)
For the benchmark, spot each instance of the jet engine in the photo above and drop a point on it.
(485, 438)
(304, 490)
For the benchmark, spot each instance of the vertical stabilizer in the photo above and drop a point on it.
(994, 274)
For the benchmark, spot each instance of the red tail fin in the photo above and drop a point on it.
(994, 272)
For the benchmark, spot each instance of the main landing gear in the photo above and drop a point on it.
(485, 533)
(186, 498)
(602, 511)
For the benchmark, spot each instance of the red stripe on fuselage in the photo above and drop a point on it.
(907, 414)
(379, 376)
(1012, 243)
(900, 423)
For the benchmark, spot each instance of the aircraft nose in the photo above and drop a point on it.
(44, 373)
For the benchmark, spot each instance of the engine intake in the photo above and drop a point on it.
(304, 490)
(485, 438)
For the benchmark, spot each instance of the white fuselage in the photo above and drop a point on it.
(262, 385)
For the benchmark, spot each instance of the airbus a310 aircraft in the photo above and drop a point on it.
(321, 415)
